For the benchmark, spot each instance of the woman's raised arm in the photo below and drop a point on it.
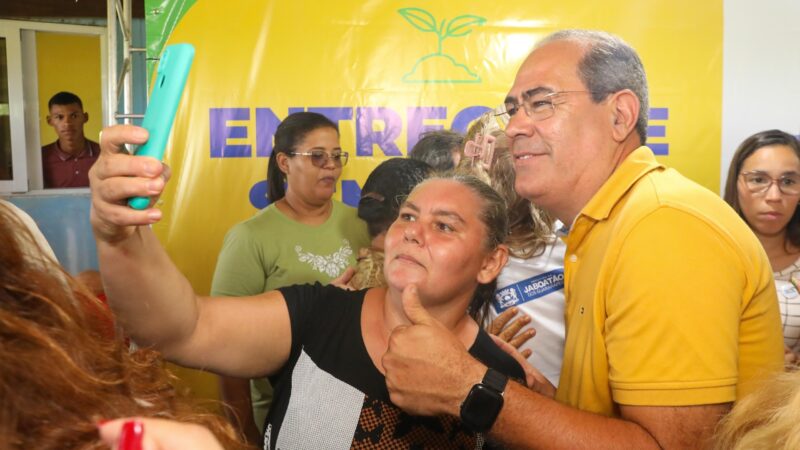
(152, 300)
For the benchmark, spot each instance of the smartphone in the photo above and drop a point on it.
(173, 69)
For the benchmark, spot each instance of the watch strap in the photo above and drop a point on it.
(495, 380)
(483, 403)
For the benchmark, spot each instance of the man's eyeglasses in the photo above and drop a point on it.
(538, 104)
(759, 182)
(320, 158)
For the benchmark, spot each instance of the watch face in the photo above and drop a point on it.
(481, 407)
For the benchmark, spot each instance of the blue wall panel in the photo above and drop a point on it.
(64, 220)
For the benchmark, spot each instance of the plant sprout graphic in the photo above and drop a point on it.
(440, 67)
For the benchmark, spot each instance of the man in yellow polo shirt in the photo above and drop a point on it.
(671, 309)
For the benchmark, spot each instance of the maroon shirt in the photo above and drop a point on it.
(62, 170)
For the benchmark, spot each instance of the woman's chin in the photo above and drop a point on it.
(325, 195)
(770, 229)
(398, 282)
(326, 189)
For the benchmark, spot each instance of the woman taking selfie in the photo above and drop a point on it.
(321, 345)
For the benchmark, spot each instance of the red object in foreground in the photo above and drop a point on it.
(130, 437)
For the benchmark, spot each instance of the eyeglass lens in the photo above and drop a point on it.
(320, 158)
(758, 182)
(537, 106)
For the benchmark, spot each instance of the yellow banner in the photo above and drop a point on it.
(387, 71)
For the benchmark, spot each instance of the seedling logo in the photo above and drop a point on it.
(440, 67)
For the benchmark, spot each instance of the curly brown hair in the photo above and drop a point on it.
(59, 371)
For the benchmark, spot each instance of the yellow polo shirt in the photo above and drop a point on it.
(670, 298)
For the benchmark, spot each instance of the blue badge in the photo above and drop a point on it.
(528, 290)
(788, 291)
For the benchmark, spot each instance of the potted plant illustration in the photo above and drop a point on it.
(440, 67)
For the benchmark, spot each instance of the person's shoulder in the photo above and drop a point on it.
(265, 217)
(94, 147)
(327, 299)
(343, 209)
(720, 246)
(248, 231)
(670, 188)
(346, 218)
(667, 194)
(49, 149)
(486, 351)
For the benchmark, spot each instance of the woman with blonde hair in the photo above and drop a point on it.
(767, 419)
(532, 282)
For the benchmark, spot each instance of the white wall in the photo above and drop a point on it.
(761, 71)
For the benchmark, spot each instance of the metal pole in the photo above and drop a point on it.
(111, 70)
(127, 27)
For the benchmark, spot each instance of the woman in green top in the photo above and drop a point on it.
(303, 236)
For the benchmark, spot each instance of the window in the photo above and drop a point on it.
(37, 60)
(6, 166)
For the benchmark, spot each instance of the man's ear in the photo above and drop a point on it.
(85, 117)
(49, 120)
(493, 263)
(625, 112)
(283, 162)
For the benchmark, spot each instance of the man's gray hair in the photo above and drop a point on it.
(609, 65)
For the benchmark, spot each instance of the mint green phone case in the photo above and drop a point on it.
(173, 69)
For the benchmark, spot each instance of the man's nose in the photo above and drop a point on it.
(519, 125)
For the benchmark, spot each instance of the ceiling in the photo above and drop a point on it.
(31, 9)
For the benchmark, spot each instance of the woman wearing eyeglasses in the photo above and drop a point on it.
(303, 236)
(764, 188)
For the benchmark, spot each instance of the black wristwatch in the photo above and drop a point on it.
(484, 402)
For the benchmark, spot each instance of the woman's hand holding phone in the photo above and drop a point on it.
(118, 176)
